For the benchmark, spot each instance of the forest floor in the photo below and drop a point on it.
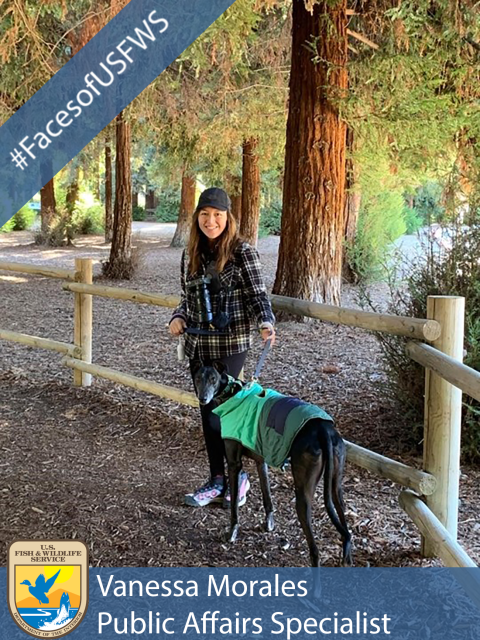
(110, 465)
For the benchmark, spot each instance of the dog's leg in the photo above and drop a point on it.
(337, 495)
(233, 452)
(307, 471)
(262, 469)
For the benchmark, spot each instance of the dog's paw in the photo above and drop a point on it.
(233, 533)
(269, 523)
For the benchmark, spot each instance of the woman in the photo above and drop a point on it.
(220, 267)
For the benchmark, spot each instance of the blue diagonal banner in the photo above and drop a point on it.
(92, 88)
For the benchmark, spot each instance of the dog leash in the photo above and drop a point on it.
(261, 362)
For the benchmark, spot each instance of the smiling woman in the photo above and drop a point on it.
(223, 299)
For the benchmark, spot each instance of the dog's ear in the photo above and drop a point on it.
(220, 367)
(196, 365)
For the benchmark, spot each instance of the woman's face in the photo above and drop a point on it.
(212, 222)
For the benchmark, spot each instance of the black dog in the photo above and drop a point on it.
(317, 448)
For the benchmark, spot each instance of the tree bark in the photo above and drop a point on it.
(187, 206)
(234, 190)
(250, 192)
(150, 200)
(310, 254)
(108, 191)
(352, 207)
(48, 205)
(120, 263)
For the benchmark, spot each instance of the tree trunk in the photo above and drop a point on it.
(250, 192)
(352, 207)
(310, 254)
(120, 263)
(150, 200)
(187, 206)
(48, 205)
(72, 195)
(108, 191)
(234, 190)
(134, 199)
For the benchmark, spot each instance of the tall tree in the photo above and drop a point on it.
(108, 189)
(187, 205)
(120, 263)
(250, 192)
(48, 205)
(310, 255)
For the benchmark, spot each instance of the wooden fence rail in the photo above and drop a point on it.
(141, 384)
(455, 372)
(33, 269)
(397, 325)
(41, 343)
(445, 547)
(421, 482)
(119, 293)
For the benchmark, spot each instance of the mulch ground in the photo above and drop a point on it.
(110, 465)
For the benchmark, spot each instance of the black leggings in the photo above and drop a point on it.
(211, 422)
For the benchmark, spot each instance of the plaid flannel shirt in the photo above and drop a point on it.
(248, 306)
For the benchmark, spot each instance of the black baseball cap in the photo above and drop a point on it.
(214, 197)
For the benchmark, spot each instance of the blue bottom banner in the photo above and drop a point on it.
(284, 603)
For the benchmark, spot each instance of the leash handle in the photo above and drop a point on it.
(260, 364)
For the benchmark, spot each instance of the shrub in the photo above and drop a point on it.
(380, 222)
(88, 220)
(138, 214)
(7, 227)
(169, 205)
(60, 233)
(270, 219)
(413, 221)
(23, 219)
(453, 272)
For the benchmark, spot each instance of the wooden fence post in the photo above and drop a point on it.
(443, 408)
(83, 320)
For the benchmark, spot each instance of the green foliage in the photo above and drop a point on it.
(456, 272)
(7, 227)
(23, 219)
(428, 203)
(88, 220)
(270, 219)
(413, 221)
(381, 221)
(169, 205)
(138, 214)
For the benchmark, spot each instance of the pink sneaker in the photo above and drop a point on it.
(212, 491)
(242, 491)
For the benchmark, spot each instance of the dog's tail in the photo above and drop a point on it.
(328, 450)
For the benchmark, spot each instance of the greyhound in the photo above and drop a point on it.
(317, 447)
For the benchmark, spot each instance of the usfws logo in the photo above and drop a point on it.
(47, 586)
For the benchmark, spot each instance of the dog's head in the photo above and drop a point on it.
(209, 380)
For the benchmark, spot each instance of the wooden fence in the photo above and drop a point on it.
(431, 498)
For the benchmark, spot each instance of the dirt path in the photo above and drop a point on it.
(110, 465)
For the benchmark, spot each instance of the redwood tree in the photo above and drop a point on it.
(47, 204)
(120, 264)
(310, 254)
(250, 192)
(108, 191)
(187, 205)
(352, 206)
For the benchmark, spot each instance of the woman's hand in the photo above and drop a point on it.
(268, 334)
(177, 326)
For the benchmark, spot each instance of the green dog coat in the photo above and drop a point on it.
(265, 421)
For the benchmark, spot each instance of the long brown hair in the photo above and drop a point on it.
(198, 244)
